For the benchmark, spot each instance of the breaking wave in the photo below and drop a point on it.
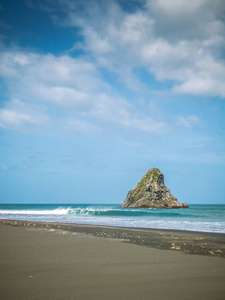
(209, 218)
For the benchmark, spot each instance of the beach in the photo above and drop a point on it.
(41, 260)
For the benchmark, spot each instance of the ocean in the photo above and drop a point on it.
(204, 218)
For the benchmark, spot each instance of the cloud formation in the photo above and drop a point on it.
(73, 86)
(188, 122)
(174, 40)
(17, 115)
(181, 42)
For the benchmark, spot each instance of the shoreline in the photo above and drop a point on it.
(188, 242)
(54, 261)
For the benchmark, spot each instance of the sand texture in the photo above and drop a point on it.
(63, 261)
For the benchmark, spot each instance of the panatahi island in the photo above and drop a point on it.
(151, 192)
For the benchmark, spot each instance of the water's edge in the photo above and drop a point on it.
(200, 218)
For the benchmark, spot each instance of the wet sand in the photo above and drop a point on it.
(68, 261)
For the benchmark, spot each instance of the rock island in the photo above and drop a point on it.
(151, 192)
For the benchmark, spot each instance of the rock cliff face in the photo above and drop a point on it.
(151, 192)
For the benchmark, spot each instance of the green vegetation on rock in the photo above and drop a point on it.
(143, 180)
(151, 192)
(151, 175)
(155, 174)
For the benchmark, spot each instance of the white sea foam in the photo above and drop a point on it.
(208, 219)
(58, 211)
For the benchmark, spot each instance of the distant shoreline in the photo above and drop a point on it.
(189, 242)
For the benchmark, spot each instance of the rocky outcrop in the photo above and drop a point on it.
(151, 192)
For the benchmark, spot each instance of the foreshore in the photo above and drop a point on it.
(41, 260)
(190, 242)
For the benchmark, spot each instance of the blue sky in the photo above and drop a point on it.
(95, 93)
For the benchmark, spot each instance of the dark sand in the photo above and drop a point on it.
(67, 261)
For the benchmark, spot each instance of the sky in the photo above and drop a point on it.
(93, 94)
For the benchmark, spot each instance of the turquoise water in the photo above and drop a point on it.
(207, 218)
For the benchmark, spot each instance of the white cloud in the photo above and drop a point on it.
(180, 41)
(120, 112)
(187, 19)
(18, 115)
(175, 7)
(206, 80)
(188, 122)
(63, 81)
(65, 97)
(26, 116)
(173, 40)
(73, 86)
(28, 69)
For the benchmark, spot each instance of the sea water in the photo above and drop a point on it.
(205, 218)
